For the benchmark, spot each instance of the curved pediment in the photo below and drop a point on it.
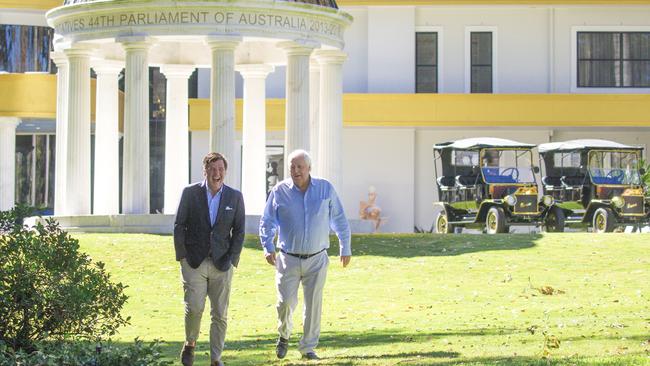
(326, 3)
(315, 21)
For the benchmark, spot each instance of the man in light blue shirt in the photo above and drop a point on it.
(302, 210)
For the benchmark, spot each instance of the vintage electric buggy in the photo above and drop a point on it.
(595, 182)
(486, 182)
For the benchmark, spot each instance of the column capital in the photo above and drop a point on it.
(219, 42)
(135, 43)
(254, 71)
(177, 71)
(78, 50)
(298, 47)
(109, 67)
(10, 121)
(330, 57)
(59, 58)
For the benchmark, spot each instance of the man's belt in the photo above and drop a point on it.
(302, 256)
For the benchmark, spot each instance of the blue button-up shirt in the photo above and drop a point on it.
(303, 220)
(213, 202)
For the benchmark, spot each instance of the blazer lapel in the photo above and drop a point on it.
(225, 200)
(203, 204)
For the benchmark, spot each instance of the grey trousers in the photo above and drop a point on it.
(198, 283)
(291, 272)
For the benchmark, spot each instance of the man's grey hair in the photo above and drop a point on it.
(299, 153)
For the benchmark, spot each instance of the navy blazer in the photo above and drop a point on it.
(195, 236)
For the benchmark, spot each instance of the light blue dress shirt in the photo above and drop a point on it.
(303, 220)
(213, 202)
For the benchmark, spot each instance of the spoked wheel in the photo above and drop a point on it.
(604, 220)
(442, 224)
(495, 222)
(554, 220)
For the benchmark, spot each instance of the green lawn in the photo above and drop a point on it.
(418, 300)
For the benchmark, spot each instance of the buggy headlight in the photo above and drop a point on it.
(510, 200)
(618, 201)
(548, 200)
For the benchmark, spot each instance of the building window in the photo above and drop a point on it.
(481, 62)
(35, 159)
(25, 48)
(274, 166)
(426, 62)
(613, 59)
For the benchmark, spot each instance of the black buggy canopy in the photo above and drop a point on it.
(480, 143)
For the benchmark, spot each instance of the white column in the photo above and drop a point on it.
(331, 115)
(8, 162)
(314, 114)
(61, 62)
(176, 134)
(296, 135)
(135, 178)
(77, 182)
(254, 136)
(107, 170)
(222, 100)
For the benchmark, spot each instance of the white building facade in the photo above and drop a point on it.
(422, 72)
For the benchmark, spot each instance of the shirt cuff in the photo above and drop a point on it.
(345, 250)
(269, 248)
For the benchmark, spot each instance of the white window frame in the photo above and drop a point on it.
(468, 56)
(439, 51)
(574, 59)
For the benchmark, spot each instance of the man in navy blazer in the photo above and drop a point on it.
(208, 238)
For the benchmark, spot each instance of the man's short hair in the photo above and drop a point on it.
(212, 157)
(299, 153)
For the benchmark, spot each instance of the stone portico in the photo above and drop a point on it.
(251, 37)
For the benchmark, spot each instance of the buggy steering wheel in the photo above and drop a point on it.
(615, 174)
(512, 172)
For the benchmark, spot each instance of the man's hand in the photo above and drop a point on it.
(345, 260)
(270, 258)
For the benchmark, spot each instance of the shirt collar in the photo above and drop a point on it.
(292, 185)
(207, 189)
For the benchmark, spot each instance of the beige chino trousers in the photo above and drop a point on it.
(206, 280)
(291, 272)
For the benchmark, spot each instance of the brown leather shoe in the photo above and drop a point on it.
(217, 363)
(187, 355)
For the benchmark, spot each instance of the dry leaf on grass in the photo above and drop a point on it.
(548, 290)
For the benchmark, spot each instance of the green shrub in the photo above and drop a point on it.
(85, 354)
(10, 219)
(51, 291)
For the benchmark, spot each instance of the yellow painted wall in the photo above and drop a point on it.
(467, 110)
(28, 95)
(30, 4)
(534, 110)
(200, 114)
(34, 96)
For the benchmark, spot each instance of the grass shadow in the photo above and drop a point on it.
(335, 349)
(424, 245)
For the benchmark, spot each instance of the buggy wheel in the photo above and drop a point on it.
(604, 220)
(442, 224)
(495, 222)
(554, 220)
